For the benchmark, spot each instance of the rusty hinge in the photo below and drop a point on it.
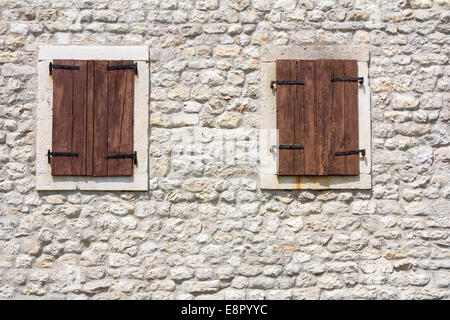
(128, 66)
(288, 82)
(346, 153)
(124, 156)
(360, 80)
(52, 66)
(286, 146)
(60, 154)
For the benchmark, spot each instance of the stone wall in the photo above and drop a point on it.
(206, 229)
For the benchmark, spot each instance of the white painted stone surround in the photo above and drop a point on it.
(269, 161)
(139, 180)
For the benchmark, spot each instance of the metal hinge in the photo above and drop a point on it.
(124, 156)
(360, 80)
(346, 153)
(52, 66)
(128, 66)
(286, 146)
(60, 154)
(288, 82)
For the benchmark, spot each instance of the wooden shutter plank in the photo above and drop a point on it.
(308, 73)
(337, 125)
(120, 119)
(351, 141)
(79, 118)
(90, 87)
(115, 103)
(324, 115)
(100, 118)
(286, 70)
(126, 135)
(299, 122)
(62, 118)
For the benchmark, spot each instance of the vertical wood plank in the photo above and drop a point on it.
(120, 119)
(309, 75)
(127, 123)
(351, 118)
(299, 121)
(324, 91)
(62, 118)
(89, 146)
(100, 118)
(115, 103)
(285, 70)
(337, 125)
(79, 118)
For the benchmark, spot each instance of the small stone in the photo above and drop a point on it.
(118, 259)
(226, 51)
(285, 5)
(295, 223)
(330, 281)
(121, 208)
(32, 246)
(179, 93)
(416, 4)
(229, 120)
(207, 4)
(182, 120)
(238, 4)
(181, 273)
(198, 287)
(97, 286)
(160, 166)
(357, 16)
(54, 199)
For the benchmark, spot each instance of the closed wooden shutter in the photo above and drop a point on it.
(120, 119)
(320, 115)
(92, 117)
(343, 117)
(69, 118)
(286, 108)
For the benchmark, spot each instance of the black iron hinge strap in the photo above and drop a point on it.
(346, 153)
(358, 79)
(128, 66)
(290, 146)
(287, 82)
(60, 154)
(52, 66)
(286, 146)
(124, 156)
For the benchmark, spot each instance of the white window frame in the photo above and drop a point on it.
(139, 180)
(268, 165)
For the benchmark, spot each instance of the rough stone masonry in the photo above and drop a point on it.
(208, 230)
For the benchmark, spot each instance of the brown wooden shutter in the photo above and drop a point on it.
(120, 118)
(113, 118)
(93, 117)
(320, 115)
(343, 132)
(286, 104)
(69, 118)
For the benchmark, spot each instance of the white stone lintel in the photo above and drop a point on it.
(138, 53)
(271, 53)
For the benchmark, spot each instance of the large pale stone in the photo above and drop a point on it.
(229, 120)
(238, 4)
(227, 51)
(295, 223)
